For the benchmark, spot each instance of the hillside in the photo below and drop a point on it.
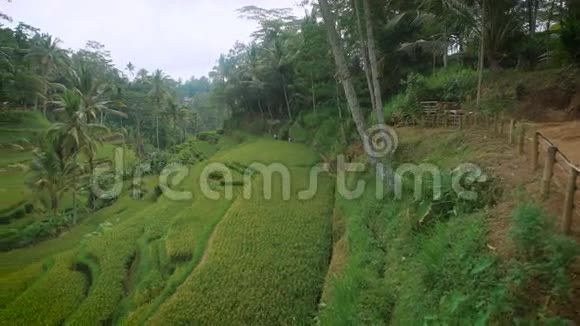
(363, 162)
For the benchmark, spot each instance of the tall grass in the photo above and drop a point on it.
(404, 272)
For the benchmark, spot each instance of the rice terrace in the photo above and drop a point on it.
(364, 162)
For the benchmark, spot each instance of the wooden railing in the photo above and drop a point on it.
(434, 116)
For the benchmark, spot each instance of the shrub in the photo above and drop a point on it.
(449, 85)
(298, 133)
(35, 232)
(545, 255)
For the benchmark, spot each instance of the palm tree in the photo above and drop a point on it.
(158, 93)
(93, 92)
(75, 134)
(131, 69)
(343, 71)
(279, 61)
(188, 122)
(253, 81)
(51, 172)
(176, 112)
(49, 58)
(364, 54)
(374, 63)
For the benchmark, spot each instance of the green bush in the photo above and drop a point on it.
(298, 133)
(398, 106)
(545, 255)
(35, 232)
(326, 135)
(454, 84)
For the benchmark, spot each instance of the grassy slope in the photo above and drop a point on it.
(397, 274)
(442, 273)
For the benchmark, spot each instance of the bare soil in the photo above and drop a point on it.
(516, 174)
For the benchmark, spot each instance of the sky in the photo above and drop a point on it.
(184, 38)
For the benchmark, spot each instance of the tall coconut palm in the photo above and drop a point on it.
(342, 67)
(374, 62)
(51, 171)
(176, 112)
(189, 122)
(131, 69)
(75, 134)
(47, 55)
(158, 94)
(278, 60)
(93, 92)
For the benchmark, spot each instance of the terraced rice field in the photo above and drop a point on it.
(200, 261)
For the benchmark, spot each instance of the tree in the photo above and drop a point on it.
(343, 70)
(52, 172)
(158, 94)
(75, 134)
(374, 64)
(364, 54)
(93, 93)
(131, 69)
(49, 58)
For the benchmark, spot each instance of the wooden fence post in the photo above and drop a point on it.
(522, 140)
(501, 127)
(512, 129)
(569, 203)
(495, 124)
(535, 150)
(548, 172)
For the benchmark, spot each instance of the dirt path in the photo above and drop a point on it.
(513, 170)
(565, 135)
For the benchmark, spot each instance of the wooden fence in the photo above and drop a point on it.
(518, 134)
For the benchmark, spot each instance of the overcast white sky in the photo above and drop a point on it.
(182, 37)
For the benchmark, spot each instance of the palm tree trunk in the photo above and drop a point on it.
(138, 138)
(480, 72)
(434, 63)
(157, 131)
(269, 110)
(445, 49)
(313, 93)
(481, 56)
(286, 98)
(374, 64)
(92, 197)
(44, 90)
(75, 192)
(550, 15)
(339, 107)
(54, 203)
(364, 55)
(343, 72)
(261, 110)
